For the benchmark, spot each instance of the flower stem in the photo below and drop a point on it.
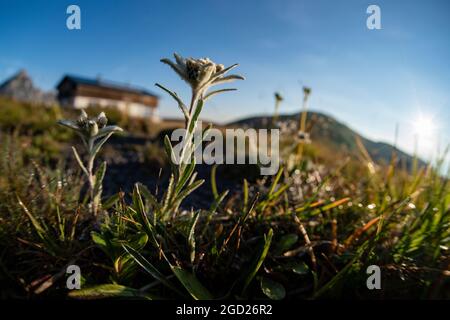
(91, 177)
(302, 128)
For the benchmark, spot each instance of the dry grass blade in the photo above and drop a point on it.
(239, 223)
(358, 232)
(307, 241)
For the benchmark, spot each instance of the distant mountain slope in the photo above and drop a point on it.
(326, 130)
(20, 88)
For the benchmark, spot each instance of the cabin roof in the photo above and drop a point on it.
(106, 84)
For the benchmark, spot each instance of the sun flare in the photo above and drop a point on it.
(424, 125)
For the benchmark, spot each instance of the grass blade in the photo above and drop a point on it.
(259, 260)
(152, 270)
(192, 284)
(103, 291)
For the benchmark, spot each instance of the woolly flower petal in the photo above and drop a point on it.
(176, 68)
(224, 70)
(229, 78)
(70, 124)
(201, 73)
(107, 130)
(180, 60)
(102, 120)
(206, 74)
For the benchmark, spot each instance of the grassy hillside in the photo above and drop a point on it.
(335, 137)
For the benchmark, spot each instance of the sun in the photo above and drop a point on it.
(424, 125)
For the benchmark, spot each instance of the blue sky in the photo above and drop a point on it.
(369, 79)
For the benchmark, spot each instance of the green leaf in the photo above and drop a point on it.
(272, 194)
(168, 194)
(99, 240)
(170, 153)
(218, 201)
(191, 237)
(280, 190)
(98, 146)
(185, 177)
(183, 194)
(103, 291)
(285, 243)
(259, 259)
(139, 206)
(245, 192)
(300, 268)
(80, 162)
(148, 196)
(99, 176)
(206, 132)
(215, 205)
(275, 181)
(111, 201)
(194, 119)
(40, 230)
(343, 272)
(147, 266)
(139, 240)
(272, 289)
(192, 179)
(192, 284)
(214, 181)
(181, 105)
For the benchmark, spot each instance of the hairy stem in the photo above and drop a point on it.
(91, 177)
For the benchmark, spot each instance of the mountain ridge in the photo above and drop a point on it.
(328, 130)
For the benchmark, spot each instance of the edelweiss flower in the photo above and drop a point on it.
(91, 128)
(278, 97)
(94, 133)
(303, 137)
(201, 74)
(306, 92)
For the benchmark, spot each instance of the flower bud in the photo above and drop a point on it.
(303, 137)
(102, 120)
(82, 120)
(219, 67)
(278, 97)
(93, 128)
